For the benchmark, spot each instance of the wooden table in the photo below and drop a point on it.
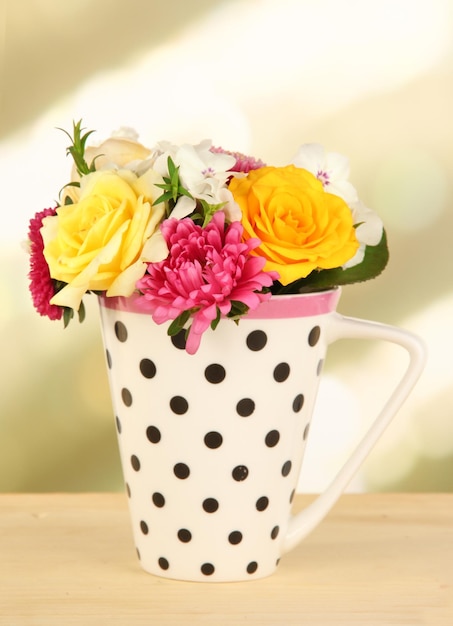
(376, 559)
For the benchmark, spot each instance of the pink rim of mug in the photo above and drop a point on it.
(277, 307)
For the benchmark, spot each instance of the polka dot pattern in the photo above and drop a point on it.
(201, 436)
(213, 440)
(158, 499)
(120, 331)
(235, 537)
(272, 438)
(281, 372)
(153, 434)
(147, 368)
(240, 473)
(210, 505)
(163, 563)
(215, 373)
(179, 405)
(314, 335)
(207, 569)
(126, 396)
(245, 407)
(181, 470)
(256, 340)
(184, 535)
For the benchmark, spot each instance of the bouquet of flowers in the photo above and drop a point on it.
(199, 232)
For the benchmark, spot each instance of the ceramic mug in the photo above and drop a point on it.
(212, 444)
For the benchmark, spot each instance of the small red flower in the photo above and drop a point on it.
(41, 285)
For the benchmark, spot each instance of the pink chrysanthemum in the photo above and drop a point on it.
(243, 163)
(41, 285)
(206, 269)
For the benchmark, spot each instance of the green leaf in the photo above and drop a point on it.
(68, 314)
(82, 312)
(67, 199)
(77, 148)
(165, 197)
(238, 309)
(374, 261)
(216, 321)
(178, 323)
(209, 210)
(172, 186)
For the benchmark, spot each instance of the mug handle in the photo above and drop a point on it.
(340, 327)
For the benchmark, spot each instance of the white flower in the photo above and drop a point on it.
(231, 208)
(368, 232)
(370, 226)
(331, 168)
(201, 172)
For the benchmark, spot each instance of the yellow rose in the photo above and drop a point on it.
(301, 227)
(98, 243)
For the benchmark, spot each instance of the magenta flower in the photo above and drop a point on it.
(41, 285)
(206, 270)
(243, 163)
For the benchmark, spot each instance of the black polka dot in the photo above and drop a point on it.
(158, 499)
(138, 554)
(319, 368)
(179, 405)
(108, 357)
(262, 503)
(314, 335)
(306, 431)
(153, 434)
(210, 505)
(235, 537)
(118, 424)
(126, 396)
(207, 569)
(144, 527)
(252, 567)
(245, 407)
(272, 438)
(184, 535)
(121, 331)
(240, 473)
(298, 403)
(163, 563)
(286, 468)
(274, 532)
(179, 340)
(147, 368)
(215, 373)
(181, 470)
(135, 462)
(291, 497)
(256, 340)
(128, 490)
(213, 440)
(281, 372)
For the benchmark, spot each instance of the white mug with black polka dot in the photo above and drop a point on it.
(212, 443)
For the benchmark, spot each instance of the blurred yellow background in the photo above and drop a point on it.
(370, 79)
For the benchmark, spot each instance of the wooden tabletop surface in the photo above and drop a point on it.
(68, 559)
